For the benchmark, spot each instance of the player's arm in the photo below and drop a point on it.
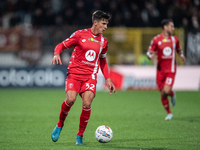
(56, 59)
(110, 86)
(151, 55)
(68, 43)
(179, 50)
(180, 53)
(105, 71)
(151, 50)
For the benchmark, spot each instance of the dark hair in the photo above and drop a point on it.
(98, 15)
(165, 22)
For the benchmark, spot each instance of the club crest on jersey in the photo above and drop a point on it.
(90, 55)
(70, 85)
(167, 51)
(93, 40)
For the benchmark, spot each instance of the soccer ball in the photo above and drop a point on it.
(103, 134)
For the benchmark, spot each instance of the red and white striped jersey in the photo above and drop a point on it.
(165, 48)
(88, 48)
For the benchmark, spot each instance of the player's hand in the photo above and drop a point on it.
(183, 58)
(151, 55)
(110, 86)
(56, 60)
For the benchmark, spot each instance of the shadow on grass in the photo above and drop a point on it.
(105, 146)
(116, 144)
(189, 119)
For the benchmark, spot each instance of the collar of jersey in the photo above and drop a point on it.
(165, 37)
(89, 29)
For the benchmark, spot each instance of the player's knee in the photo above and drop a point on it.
(86, 104)
(165, 93)
(71, 100)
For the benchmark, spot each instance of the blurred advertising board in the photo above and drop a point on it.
(32, 77)
(144, 77)
(124, 77)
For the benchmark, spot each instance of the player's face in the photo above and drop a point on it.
(170, 28)
(101, 26)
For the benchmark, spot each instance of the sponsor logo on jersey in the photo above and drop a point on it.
(166, 40)
(167, 51)
(90, 55)
(88, 63)
(83, 40)
(93, 40)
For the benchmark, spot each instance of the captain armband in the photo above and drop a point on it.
(103, 55)
(180, 52)
(149, 54)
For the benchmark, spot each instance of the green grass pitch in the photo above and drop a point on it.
(28, 117)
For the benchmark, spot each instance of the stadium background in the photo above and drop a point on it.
(31, 90)
(30, 30)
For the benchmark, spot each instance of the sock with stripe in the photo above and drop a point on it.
(171, 93)
(165, 103)
(84, 118)
(65, 108)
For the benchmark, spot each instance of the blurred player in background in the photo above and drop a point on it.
(90, 48)
(165, 46)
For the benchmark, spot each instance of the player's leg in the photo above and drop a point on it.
(66, 106)
(87, 94)
(170, 81)
(164, 90)
(165, 101)
(173, 97)
(87, 98)
(164, 97)
(71, 88)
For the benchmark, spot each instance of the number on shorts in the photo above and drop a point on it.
(90, 86)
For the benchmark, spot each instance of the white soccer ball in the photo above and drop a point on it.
(103, 134)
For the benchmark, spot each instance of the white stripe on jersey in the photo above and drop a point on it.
(64, 44)
(96, 64)
(173, 54)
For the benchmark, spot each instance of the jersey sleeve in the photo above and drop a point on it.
(59, 48)
(72, 40)
(103, 62)
(153, 45)
(177, 44)
(68, 43)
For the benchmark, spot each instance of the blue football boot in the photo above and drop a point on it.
(173, 99)
(56, 133)
(79, 140)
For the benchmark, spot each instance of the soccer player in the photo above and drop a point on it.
(89, 52)
(165, 46)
